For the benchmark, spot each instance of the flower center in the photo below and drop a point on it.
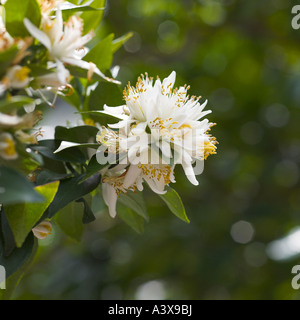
(157, 172)
(10, 149)
(22, 74)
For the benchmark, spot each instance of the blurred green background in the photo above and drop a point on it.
(244, 57)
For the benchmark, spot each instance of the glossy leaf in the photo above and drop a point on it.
(173, 201)
(16, 188)
(135, 201)
(80, 134)
(16, 11)
(69, 219)
(23, 217)
(70, 190)
(18, 256)
(101, 54)
(135, 221)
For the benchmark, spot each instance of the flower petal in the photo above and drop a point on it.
(37, 33)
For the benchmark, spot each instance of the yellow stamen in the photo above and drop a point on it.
(22, 74)
(10, 150)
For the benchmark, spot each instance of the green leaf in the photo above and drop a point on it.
(135, 221)
(47, 176)
(173, 201)
(101, 54)
(117, 43)
(6, 59)
(105, 93)
(47, 148)
(15, 13)
(14, 279)
(8, 237)
(80, 134)
(93, 167)
(70, 190)
(18, 256)
(7, 105)
(23, 217)
(15, 188)
(68, 12)
(102, 117)
(135, 201)
(69, 219)
(67, 145)
(82, 73)
(92, 19)
(88, 215)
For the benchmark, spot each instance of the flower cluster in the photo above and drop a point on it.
(36, 64)
(158, 128)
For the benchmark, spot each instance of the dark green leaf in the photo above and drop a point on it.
(14, 279)
(81, 134)
(8, 237)
(88, 215)
(47, 176)
(18, 256)
(70, 190)
(23, 217)
(47, 148)
(93, 167)
(15, 188)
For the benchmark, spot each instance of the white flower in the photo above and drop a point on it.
(166, 121)
(42, 230)
(8, 121)
(16, 77)
(121, 179)
(6, 41)
(54, 79)
(7, 147)
(65, 43)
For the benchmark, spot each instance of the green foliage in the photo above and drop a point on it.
(23, 217)
(16, 11)
(174, 203)
(102, 53)
(92, 19)
(69, 219)
(14, 102)
(15, 188)
(6, 58)
(135, 221)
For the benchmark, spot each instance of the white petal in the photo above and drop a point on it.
(189, 172)
(29, 107)
(110, 198)
(170, 81)
(63, 74)
(131, 176)
(154, 187)
(37, 33)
